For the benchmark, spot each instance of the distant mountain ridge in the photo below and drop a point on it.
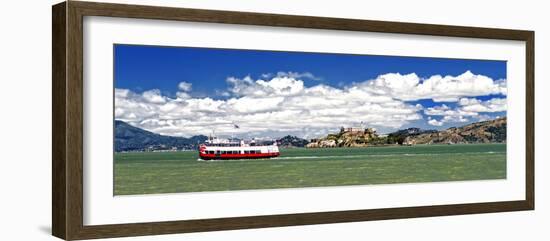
(131, 138)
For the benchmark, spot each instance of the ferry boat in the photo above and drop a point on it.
(224, 149)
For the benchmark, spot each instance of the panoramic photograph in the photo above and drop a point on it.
(190, 119)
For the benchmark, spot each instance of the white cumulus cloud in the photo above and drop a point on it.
(475, 105)
(435, 122)
(154, 96)
(290, 74)
(438, 88)
(467, 108)
(185, 86)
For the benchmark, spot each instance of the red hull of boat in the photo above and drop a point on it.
(237, 156)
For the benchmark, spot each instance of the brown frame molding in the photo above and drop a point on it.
(67, 119)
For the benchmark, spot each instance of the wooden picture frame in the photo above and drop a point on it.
(67, 124)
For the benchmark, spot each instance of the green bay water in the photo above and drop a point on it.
(174, 172)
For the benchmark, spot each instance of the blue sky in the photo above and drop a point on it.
(139, 69)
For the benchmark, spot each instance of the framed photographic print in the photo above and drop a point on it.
(171, 120)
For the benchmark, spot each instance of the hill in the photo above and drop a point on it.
(291, 141)
(493, 131)
(131, 138)
(400, 136)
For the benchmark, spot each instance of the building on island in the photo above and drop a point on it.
(356, 130)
